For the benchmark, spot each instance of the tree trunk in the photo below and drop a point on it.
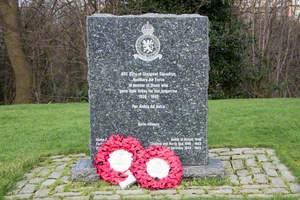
(12, 37)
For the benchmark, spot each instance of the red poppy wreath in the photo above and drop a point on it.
(157, 168)
(115, 157)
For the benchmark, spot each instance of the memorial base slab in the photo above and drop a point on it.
(84, 171)
(214, 169)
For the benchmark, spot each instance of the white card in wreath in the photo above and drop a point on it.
(157, 168)
(120, 160)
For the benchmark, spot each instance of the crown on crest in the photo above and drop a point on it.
(147, 29)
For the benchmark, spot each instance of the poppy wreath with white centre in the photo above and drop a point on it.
(115, 157)
(157, 168)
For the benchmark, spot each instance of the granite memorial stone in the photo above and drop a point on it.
(148, 77)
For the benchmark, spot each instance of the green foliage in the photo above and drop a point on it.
(204, 182)
(227, 46)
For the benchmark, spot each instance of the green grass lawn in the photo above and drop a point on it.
(28, 132)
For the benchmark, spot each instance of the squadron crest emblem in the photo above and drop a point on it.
(147, 45)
